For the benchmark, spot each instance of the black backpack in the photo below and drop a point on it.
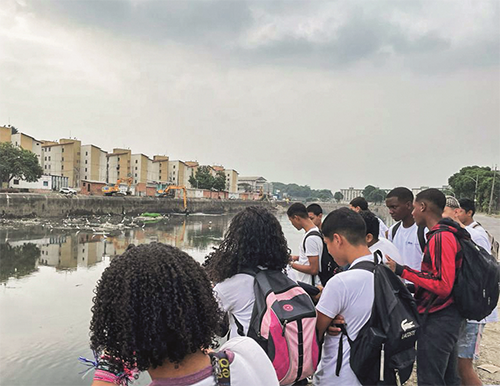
(420, 234)
(384, 350)
(477, 283)
(327, 266)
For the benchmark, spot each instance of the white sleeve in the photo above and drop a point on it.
(314, 246)
(480, 239)
(221, 299)
(331, 302)
(382, 228)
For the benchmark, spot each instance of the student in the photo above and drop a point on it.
(358, 204)
(471, 332)
(254, 239)
(374, 243)
(350, 294)
(404, 234)
(315, 213)
(466, 216)
(437, 343)
(154, 308)
(306, 264)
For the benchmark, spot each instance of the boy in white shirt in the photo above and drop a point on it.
(378, 244)
(350, 294)
(306, 264)
(359, 204)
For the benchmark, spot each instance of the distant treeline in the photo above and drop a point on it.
(301, 192)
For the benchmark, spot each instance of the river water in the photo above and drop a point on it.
(46, 283)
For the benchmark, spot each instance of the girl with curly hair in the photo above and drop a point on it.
(154, 311)
(254, 239)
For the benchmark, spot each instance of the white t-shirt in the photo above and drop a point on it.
(382, 228)
(250, 365)
(406, 241)
(387, 248)
(480, 237)
(236, 296)
(314, 247)
(351, 294)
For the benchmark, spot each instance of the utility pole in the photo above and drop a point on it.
(492, 189)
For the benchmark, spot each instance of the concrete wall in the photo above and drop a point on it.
(57, 205)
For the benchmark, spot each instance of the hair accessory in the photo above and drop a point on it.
(109, 369)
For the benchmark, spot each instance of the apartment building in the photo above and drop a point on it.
(23, 141)
(139, 168)
(93, 163)
(63, 159)
(178, 173)
(160, 169)
(254, 184)
(118, 165)
(231, 180)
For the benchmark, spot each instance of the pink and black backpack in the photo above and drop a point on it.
(283, 323)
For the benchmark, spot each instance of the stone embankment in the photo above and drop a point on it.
(58, 205)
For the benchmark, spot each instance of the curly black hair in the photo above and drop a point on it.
(152, 304)
(254, 238)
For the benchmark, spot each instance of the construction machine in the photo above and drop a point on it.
(122, 187)
(169, 191)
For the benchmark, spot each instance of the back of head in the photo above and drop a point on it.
(452, 202)
(402, 194)
(347, 223)
(153, 304)
(297, 209)
(359, 202)
(372, 223)
(435, 199)
(314, 208)
(468, 205)
(254, 238)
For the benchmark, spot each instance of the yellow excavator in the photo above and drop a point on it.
(112, 190)
(169, 191)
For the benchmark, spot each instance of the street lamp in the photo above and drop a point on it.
(476, 180)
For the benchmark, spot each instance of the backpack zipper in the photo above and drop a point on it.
(382, 356)
(284, 327)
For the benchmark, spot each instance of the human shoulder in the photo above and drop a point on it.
(233, 285)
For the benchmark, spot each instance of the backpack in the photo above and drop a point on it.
(384, 349)
(283, 323)
(477, 283)
(420, 234)
(327, 266)
(494, 244)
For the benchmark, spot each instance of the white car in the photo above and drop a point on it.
(67, 190)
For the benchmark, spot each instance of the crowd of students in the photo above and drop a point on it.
(157, 310)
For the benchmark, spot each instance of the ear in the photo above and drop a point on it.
(369, 238)
(423, 206)
(337, 238)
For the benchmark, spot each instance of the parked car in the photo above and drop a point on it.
(67, 190)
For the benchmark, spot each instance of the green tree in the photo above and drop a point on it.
(203, 179)
(376, 195)
(219, 181)
(338, 196)
(368, 190)
(464, 185)
(18, 163)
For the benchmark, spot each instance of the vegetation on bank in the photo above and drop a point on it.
(301, 192)
(18, 163)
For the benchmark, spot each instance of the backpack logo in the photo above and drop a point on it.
(288, 307)
(406, 325)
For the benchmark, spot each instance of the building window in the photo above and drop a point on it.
(49, 157)
(16, 182)
(77, 153)
(136, 168)
(62, 150)
(86, 153)
(49, 166)
(45, 167)
(86, 179)
(45, 158)
(174, 166)
(135, 174)
(85, 169)
(85, 162)
(118, 159)
(62, 159)
(62, 167)
(45, 183)
(135, 161)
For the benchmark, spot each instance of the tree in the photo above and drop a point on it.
(376, 195)
(219, 181)
(18, 163)
(367, 191)
(203, 179)
(338, 196)
(302, 192)
(465, 181)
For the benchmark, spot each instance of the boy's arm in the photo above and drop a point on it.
(322, 323)
(443, 250)
(311, 269)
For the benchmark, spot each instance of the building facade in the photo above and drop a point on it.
(93, 163)
(351, 193)
(118, 165)
(63, 159)
(139, 168)
(231, 180)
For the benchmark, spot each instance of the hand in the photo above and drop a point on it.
(332, 329)
(294, 258)
(390, 263)
(316, 298)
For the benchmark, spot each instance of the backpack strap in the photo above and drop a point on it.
(240, 329)
(221, 368)
(340, 353)
(421, 237)
(395, 229)
(313, 233)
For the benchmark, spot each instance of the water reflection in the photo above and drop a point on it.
(71, 250)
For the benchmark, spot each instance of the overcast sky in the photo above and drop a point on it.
(329, 94)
